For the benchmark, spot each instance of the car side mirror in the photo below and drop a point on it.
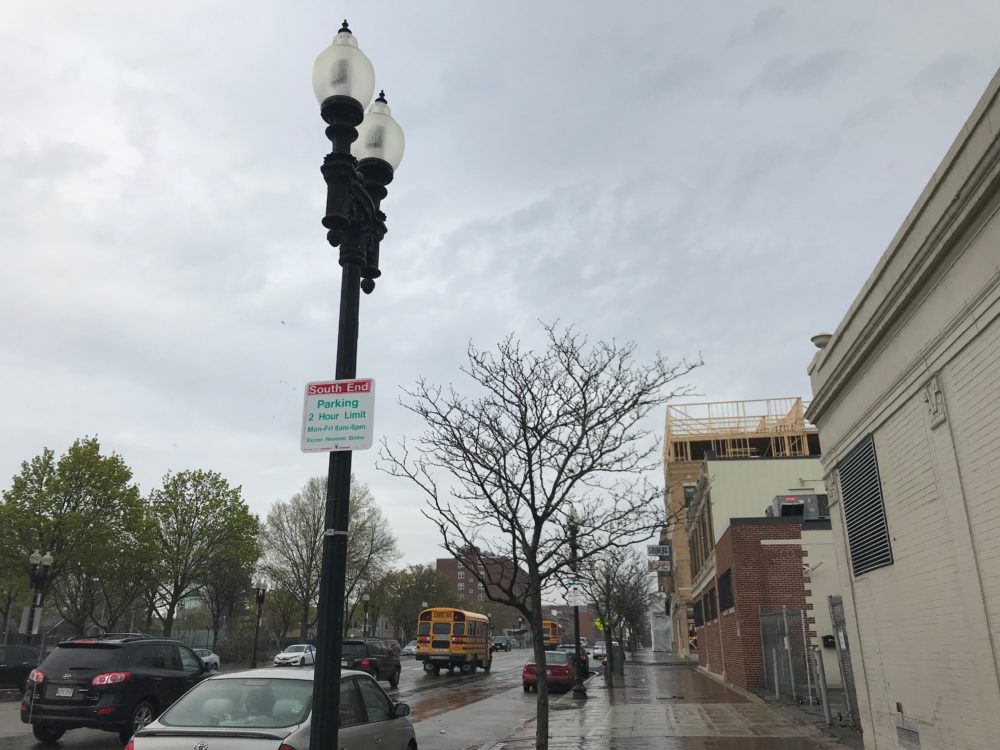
(400, 710)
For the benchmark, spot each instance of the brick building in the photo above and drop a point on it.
(470, 591)
(763, 564)
(907, 400)
(761, 429)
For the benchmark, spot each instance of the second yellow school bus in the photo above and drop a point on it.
(450, 638)
(552, 633)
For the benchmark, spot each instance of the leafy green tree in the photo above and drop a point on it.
(79, 508)
(198, 514)
(404, 593)
(226, 589)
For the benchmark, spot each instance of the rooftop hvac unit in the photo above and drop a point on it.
(807, 507)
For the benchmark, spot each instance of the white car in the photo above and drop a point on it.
(262, 709)
(209, 658)
(410, 649)
(298, 655)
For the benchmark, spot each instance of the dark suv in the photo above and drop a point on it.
(16, 662)
(118, 683)
(372, 656)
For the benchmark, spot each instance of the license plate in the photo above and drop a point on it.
(64, 692)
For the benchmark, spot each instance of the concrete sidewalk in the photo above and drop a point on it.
(663, 704)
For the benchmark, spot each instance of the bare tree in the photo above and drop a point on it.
(546, 430)
(293, 545)
(618, 586)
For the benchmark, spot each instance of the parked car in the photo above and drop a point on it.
(264, 708)
(16, 663)
(558, 671)
(584, 665)
(117, 684)
(410, 649)
(372, 656)
(211, 659)
(299, 655)
(501, 643)
(600, 650)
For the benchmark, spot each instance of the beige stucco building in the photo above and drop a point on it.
(907, 401)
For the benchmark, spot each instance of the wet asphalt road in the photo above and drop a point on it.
(436, 703)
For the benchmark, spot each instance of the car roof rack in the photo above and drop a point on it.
(109, 637)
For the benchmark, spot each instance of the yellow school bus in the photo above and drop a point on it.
(552, 633)
(450, 638)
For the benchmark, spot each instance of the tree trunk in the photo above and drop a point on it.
(304, 628)
(541, 683)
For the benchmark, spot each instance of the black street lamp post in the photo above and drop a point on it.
(364, 630)
(39, 574)
(579, 689)
(261, 590)
(366, 150)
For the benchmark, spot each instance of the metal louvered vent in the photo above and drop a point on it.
(907, 738)
(864, 509)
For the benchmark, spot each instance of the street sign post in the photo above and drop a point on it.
(574, 595)
(338, 415)
(658, 550)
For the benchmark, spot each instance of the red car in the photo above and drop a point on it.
(558, 670)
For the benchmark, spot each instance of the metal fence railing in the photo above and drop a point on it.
(788, 669)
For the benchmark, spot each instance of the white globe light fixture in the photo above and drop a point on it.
(342, 69)
(379, 135)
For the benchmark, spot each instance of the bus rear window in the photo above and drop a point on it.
(458, 629)
(442, 628)
(424, 628)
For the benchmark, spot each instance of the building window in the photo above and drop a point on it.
(726, 591)
(461, 594)
(698, 619)
(480, 585)
(711, 613)
(482, 596)
(864, 509)
(689, 492)
(461, 574)
(461, 586)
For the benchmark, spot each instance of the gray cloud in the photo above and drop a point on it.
(691, 181)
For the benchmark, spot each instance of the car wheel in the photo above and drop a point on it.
(394, 677)
(142, 714)
(527, 687)
(466, 668)
(45, 734)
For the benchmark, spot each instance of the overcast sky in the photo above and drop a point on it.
(699, 177)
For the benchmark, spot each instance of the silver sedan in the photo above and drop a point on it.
(265, 709)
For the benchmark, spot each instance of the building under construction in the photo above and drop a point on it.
(765, 428)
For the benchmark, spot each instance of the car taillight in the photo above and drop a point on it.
(365, 663)
(37, 676)
(110, 678)
(131, 746)
(282, 746)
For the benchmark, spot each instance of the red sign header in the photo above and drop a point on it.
(340, 387)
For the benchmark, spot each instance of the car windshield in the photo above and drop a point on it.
(294, 649)
(242, 703)
(90, 657)
(556, 657)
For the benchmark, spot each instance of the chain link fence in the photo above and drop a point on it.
(788, 669)
(837, 616)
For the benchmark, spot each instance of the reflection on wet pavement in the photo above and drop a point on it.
(670, 707)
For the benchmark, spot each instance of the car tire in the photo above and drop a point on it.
(394, 677)
(467, 668)
(437, 670)
(47, 735)
(142, 714)
(527, 687)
